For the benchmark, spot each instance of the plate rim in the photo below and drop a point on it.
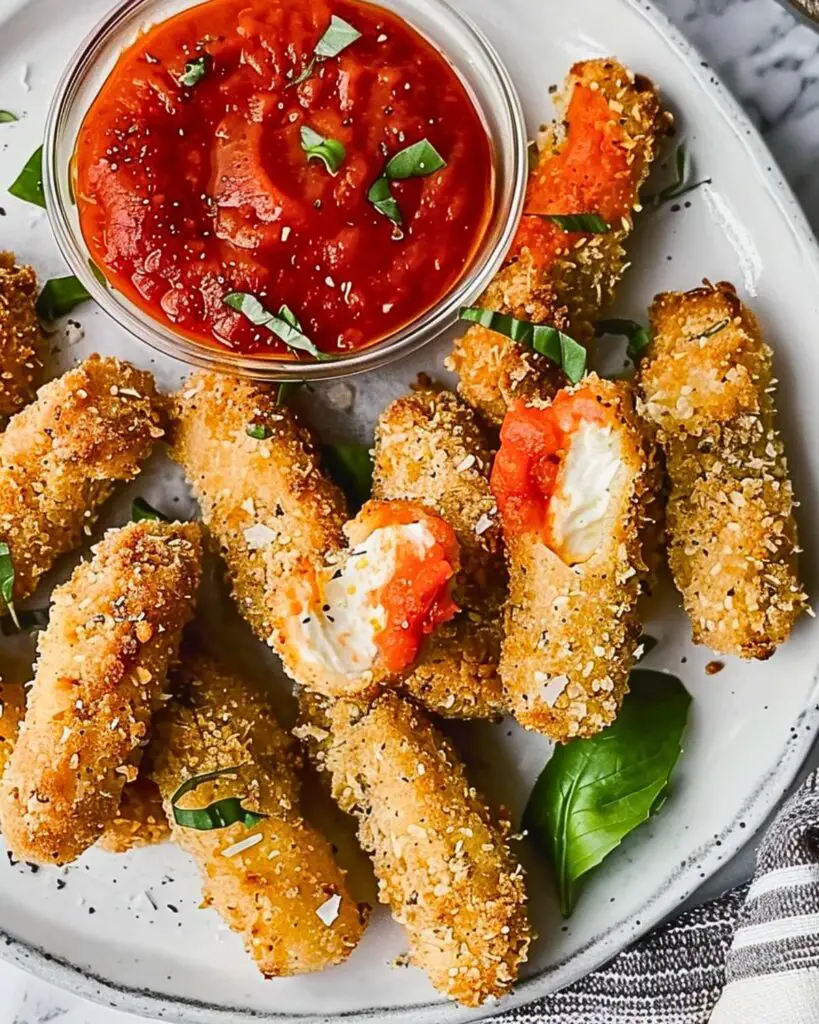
(678, 884)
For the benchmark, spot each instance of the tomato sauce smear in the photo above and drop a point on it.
(189, 192)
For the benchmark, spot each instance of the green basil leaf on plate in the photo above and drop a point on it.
(682, 183)
(28, 185)
(639, 337)
(141, 510)
(60, 295)
(6, 117)
(590, 223)
(351, 466)
(7, 582)
(220, 814)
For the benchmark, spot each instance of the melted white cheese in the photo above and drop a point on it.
(340, 634)
(587, 475)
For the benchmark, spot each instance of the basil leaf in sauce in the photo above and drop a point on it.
(331, 152)
(141, 510)
(546, 340)
(337, 37)
(195, 70)
(590, 223)
(380, 195)
(594, 792)
(258, 431)
(28, 185)
(6, 117)
(220, 814)
(59, 296)
(7, 582)
(416, 161)
(95, 270)
(283, 324)
(29, 620)
(351, 466)
(682, 185)
(639, 337)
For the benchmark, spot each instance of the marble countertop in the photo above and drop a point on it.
(771, 62)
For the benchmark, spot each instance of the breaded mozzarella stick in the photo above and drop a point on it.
(274, 880)
(574, 480)
(115, 627)
(430, 448)
(21, 337)
(140, 819)
(12, 711)
(593, 160)
(441, 859)
(61, 457)
(706, 383)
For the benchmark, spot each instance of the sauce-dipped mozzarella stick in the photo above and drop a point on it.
(430, 448)
(115, 627)
(272, 877)
(593, 160)
(62, 456)
(441, 859)
(21, 337)
(706, 382)
(574, 480)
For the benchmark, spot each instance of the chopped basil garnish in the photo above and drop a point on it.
(258, 431)
(220, 814)
(339, 35)
(351, 466)
(28, 185)
(682, 185)
(141, 510)
(95, 270)
(546, 340)
(283, 324)
(331, 152)
(591, 223)
(7, 582)
(29, 620)
(59, 296)
(639, 337)
(6, 117)
(416, 161)
(195, 70)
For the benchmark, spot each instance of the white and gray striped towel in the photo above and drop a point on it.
(750, 957)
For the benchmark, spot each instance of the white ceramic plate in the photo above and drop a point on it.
(127, 931)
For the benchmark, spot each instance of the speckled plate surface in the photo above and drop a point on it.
(127, 931)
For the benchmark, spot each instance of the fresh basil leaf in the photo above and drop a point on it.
(532, 155)
(681, 185)
(283, 324)
(590, 223)
(28, 185)
(339, 35)
(648, 643)
(6, 117)
(95, 270)
(220, 814)
(286, 389)
(351, 466)
(594, 792)
(31, 620)
(258, 431)
(416, 161)
(331, 152)
(7, 582)
(59, 296)
(141, 510)
(195, 70)
(639, 337)
(380, 195)
(546, 340)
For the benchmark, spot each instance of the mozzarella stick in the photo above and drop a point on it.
(592, 160)
(62, 456)
(272, 879)
(115, 627)
(574, 479)
(431, 449)
(12, 710)
(707, 386)
(140, 819)
(21, 337)
(442, 861)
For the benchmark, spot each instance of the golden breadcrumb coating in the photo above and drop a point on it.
(62, 456)
(442, 861)
(12, 710)
(266, 503)
(571, 631)
(569, 287)
(140, 819)
(115, 627)
(281, 894)
(21, 337)
(431, 448)
(706, 384)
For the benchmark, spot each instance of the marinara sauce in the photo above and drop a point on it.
(188, 192)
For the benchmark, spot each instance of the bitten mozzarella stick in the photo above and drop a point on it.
(574, 480)
(140, 819)
(62, 456)
(431, 449)
(115, 627)
(442, 860)
(706, 383)
(593, 160)
(271, 877)
(21, 337)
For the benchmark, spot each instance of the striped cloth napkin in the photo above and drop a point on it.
(750, 957)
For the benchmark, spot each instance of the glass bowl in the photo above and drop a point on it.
(473, 58)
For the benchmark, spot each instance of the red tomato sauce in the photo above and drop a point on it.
(534, 442)
(188, 193)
